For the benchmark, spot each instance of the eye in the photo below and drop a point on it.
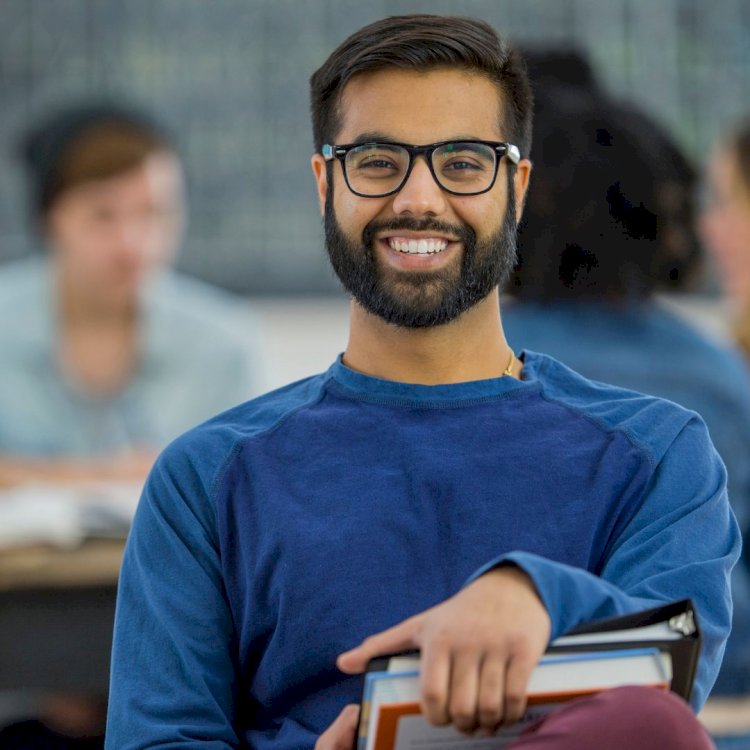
(102, 214)
(375, 162)
(464, 161)
(375, 159)
(461, 164)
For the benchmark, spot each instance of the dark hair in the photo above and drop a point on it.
(609, 212)
(423, 42)
(87, 143)
(560, 65)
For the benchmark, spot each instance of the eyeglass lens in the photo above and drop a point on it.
(379, 168)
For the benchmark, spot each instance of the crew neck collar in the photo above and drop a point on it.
(379, 389)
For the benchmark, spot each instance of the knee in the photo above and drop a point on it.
(649, 718)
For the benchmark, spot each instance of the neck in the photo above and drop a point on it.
(85, 308)
(472, 347)
(97, 347)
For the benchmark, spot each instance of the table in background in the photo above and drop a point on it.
(56, 616)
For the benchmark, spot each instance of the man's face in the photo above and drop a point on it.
(109, 236)
(467, 243)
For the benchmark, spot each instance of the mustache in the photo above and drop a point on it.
(464, 233)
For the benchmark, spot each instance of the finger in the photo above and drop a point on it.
(490, 694)
(340, 735)
(434, 682)
(398, 638)
(516, 684)
(464, 689)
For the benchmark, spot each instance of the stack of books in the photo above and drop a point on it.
(657, 647)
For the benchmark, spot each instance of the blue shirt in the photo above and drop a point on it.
(649, 349)
(283, 532)
(196, 356)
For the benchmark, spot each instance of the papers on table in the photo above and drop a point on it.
(65, 515)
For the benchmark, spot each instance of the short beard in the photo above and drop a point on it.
(421, 299)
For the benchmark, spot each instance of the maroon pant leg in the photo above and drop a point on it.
(625, 718)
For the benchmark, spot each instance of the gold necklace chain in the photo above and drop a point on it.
(511, 361)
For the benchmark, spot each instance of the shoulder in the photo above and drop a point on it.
(181, 310)
(179, 298)
(649, 422)
(207, 451)
(25, 289)
(21, 277)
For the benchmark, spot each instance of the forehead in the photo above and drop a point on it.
(158, 176)
(420, 107)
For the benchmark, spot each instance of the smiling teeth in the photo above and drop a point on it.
(418, 247)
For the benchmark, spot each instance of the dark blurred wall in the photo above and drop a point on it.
(230, 77)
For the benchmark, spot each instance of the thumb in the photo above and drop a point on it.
(342, 733)
(400, 637)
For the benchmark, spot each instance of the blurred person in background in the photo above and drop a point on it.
(725, 225)
(725, 229)
(609, 222)
(107, 353)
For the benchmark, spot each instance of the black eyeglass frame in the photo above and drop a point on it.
(340, 151)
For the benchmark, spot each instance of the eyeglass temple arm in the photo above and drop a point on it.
(513, 153)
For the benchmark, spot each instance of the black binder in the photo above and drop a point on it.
(670, 627)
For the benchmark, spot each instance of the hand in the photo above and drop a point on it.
(340, 735)
(478, 650)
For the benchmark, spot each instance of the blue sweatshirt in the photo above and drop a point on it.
(610, 342)
(283, 532)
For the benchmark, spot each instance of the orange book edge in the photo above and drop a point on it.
(390, 714)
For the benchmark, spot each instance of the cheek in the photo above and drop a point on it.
(160, 246)
(78, 242)
(727, 234)
(161, 233)
(484, 217)
(353, 213)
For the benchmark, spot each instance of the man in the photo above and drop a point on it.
(429, 491)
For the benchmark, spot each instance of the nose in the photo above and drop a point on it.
(130, 238)
(420, 194)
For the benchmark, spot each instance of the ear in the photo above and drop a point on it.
(321, 179)
(521, 185)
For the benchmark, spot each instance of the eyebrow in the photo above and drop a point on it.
(374, 136)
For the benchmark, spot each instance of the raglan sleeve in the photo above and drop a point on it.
(174, 655)
(682, 542)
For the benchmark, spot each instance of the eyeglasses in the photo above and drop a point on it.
(374, 170)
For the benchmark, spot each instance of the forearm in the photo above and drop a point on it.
(682, 542)
(173, 687)
(15, 470)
